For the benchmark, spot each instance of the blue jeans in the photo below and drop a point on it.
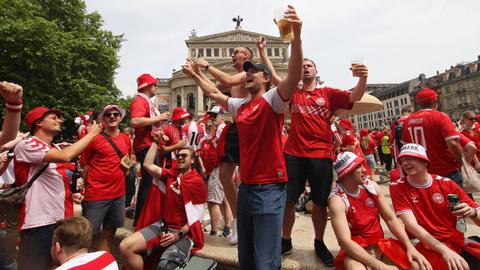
(260, 218)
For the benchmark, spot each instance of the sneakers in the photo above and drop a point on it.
(233, 238)
(322, 252)
(287, 247)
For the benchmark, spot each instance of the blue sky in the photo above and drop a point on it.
(397, 39)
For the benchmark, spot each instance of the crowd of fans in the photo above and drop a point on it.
(168, 168)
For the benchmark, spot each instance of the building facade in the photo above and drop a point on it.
(182, 91)
(458, 88)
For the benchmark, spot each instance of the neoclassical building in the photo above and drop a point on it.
(180, 90)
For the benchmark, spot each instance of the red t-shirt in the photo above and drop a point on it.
(369, 150)
(362, 212)
(310, 135)
(432, 129)
(429, 204)
(474, 135)
(378, 138)
(143, 138)
(175, 215)
(260, 121)
(105, 178)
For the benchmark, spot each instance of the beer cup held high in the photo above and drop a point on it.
(286, 32)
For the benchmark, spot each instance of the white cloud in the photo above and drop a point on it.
(397, 39)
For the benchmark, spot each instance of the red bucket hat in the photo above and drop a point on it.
(346, 124)
(426, 95)
(145, 80)
(179, 113)
(37, 113)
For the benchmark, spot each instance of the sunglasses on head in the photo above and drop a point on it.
(114, 114)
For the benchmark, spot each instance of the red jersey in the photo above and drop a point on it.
(432, 129)
(474, 135)
(362, 212)
(91, 261)
(348, 139)
(49, 198)
(260, 120)
(143, 137)
(429, 204)
(310, 135)
(105, 177)
(368, 149)
(175, 212)
(378, 137)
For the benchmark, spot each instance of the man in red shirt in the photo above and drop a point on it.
(421, 201)
(49, 198)
(356, 205)
(104, 197)
(261, 196)
(145, 118)
(180, 234)
(309, 149)
(175, 135)
(436, 133)
(471, 129)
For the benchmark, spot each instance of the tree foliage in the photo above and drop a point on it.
(60, 55)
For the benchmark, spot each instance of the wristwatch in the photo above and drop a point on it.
(180, 234)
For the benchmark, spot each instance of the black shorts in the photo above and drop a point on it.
(106, 213)
(232, 148)
(318, 171)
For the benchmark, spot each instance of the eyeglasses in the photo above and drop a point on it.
(114, 114)
(472, 119)
(183, 155)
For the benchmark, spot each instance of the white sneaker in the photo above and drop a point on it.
(233, 238)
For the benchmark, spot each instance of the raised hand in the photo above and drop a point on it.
(11, 93)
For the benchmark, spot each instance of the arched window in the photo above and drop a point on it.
(190, 102)
(179, 101)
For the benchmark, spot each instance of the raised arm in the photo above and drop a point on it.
(205, 84)
(397, 228)
(154, 170)
(361, 72)
(261, 44)
(294, 74)
(224, 78)
(12, 94)
(67, 154)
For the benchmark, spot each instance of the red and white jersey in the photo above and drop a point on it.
(49, 199)
(362, 212)
(432, 129)
(310, 134)
(429, 204)
(91, 261)
(194, 134)
(260, 124)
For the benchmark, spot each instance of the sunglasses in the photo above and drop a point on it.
(183, 155)
(114, 114)
(472, 119)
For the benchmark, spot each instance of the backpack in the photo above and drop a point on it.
(397, 134)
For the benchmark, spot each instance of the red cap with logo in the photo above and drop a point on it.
(179, 113)
(145, 80)
(346, 162)
(426, 95)
(37, 113)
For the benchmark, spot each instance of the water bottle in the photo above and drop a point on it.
(453, 201)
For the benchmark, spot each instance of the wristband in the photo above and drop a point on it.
(14, 106)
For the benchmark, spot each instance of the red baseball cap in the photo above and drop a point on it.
(426, 95)
(37, 113)
(179, 113)
(363, 132)
(145, 80)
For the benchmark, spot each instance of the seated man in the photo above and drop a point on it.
(421, 201)
(180, 235)
(355, 204)
(71, 240)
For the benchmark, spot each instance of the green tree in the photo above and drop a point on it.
(60, 55)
